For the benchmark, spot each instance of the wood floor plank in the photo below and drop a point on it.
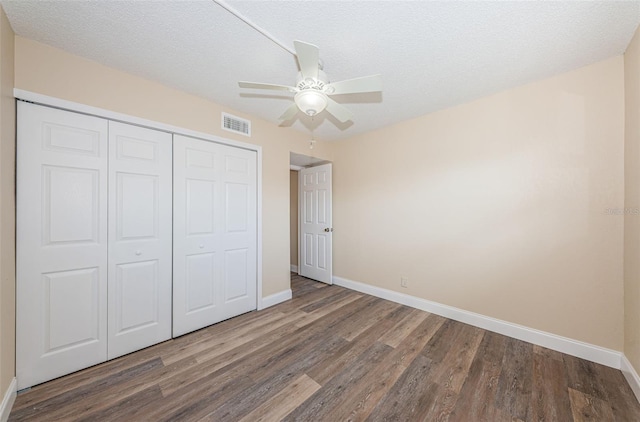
(205, 350)
(64, 405)
(477, 396)
(584, 377)
(119, 394)
(332, 364)
(87, 376)
(243, 331)
(315, 315)
(395, 335)
(201, 395)
(366, 318)
(513, 395)
(332, 354)
(369, 390)
(284, 402)
(478, 393)
(300, 286)
(217, 359)
(547, 353)
(441, 401)
(550, 397)
(376, 384)
(452, 370)
(336, 391)
(586, 408)
(620, 396)
(411, 397)
(334, 296)
(198, 402)
(416, 342)
(492, 348)
(119, 409)
(301, 354)
(438, 346)
(380, 381)
(248, 362)
(300, 301)
(237, 407)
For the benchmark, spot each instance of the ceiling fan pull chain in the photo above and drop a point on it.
(312, 141)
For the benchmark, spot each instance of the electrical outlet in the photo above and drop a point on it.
(404, 282)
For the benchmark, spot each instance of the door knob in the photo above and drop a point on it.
(328, 230)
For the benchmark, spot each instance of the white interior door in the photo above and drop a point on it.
(316, 231)
(61, 316)
(140, 206)
(215, 233)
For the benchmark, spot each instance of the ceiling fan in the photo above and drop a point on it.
(313, 89)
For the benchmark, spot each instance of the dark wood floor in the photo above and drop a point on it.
(332, 354)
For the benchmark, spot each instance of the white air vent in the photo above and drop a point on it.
(236, 124)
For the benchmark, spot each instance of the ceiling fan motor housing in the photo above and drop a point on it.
(311, 97)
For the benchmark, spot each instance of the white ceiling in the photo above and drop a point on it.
(432, 55)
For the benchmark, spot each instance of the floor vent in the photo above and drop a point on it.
(236, 124)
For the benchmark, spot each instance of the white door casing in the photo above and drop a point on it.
(315, 219)
(215, 232)
(140, 246)
(61, 258)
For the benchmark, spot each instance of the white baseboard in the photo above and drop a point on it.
(631, 375)
(294, 268)
(7, 401)
(276, 298)
(566, 345)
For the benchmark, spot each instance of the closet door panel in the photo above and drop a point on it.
(214, 233)
(238, 235)
(61, 245)
(196, 261)
(140, 203)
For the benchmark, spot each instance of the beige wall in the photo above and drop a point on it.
(497, 206)
(7, 206)
(50, 71)
(632, 202)
(293, 217)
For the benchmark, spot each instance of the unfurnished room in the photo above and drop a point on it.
(221, 210)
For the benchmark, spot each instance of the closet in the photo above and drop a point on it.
(104, 267)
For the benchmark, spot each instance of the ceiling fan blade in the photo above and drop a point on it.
(308, 58)
(257, 85)
(339, 111)
(289, 113)
(371, 83)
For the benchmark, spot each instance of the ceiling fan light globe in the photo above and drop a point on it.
(311, 102)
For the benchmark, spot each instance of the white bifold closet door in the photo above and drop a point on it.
(140, 204)
(93, 241)
(61, 291)
(215, 232)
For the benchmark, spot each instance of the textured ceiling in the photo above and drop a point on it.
(432, 55)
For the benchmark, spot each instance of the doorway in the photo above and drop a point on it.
(311, 230)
